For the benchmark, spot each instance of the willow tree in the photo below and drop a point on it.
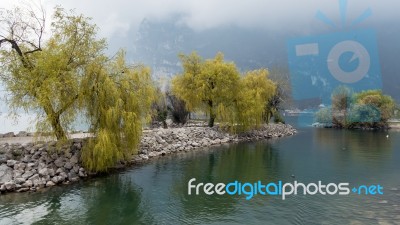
(45, 76)
(217, 88)
(255, 90)
(118, 101)
(207, 85)
(68, 74)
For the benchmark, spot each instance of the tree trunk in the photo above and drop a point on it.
(54, 119)
(211, 121)
(165, 125)
(212, 114)
(57, 128)
(268, 117)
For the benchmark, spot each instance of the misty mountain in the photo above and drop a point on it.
(158, 43)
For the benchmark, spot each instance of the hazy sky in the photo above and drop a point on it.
(116, 17)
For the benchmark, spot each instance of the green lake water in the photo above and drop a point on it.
(156, 193)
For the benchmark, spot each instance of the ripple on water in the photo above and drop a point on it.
(156, 193)
(18, 213)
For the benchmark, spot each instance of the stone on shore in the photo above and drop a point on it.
(10, 186)
(50, 184)
(22, 134)
(5, 173)
(30, 167)
(9, 134)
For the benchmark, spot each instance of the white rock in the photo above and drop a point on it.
(34, 178)
(19, 180)
(29, 166)
(59, 163)
(152, 154)
(50, 184)
(55, 179)
(68, 166)
(44, 172)
(82, 174)
(51, 172)
(74, 159)
(144, 157)
(28, 183)
(10, 186)
(11, 163)
(63, 175)
(27, 174)
(5, 173)
(59, 170)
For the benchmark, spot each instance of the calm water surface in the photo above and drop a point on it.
(156, 193)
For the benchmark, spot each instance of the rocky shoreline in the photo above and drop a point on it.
(33, 166)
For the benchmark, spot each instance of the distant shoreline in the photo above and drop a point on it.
(391, 124)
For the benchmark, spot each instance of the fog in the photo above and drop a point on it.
(152, 30)
(117, 17)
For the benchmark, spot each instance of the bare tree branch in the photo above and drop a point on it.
(23, 29)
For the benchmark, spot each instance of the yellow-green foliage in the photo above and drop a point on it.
(207, 85)
(102, 153)
(384, 103)
(69, 75)
(184, 84)
(216, 87)
(370, 108)
(117, 109)
(46, 77)
(256, 89)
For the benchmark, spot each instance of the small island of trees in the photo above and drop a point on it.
(369, 109)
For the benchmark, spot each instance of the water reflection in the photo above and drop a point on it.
(245, 162)
(102, 202)
(94, 202)
(371, 149)
(353, 140)
(156, 193)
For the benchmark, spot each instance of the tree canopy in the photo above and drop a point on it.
(117, 102)
(370, 109)
(342, 98)
(69, 74)
(207, 85)
(255, 91)
(216, 87)
(46, 76)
